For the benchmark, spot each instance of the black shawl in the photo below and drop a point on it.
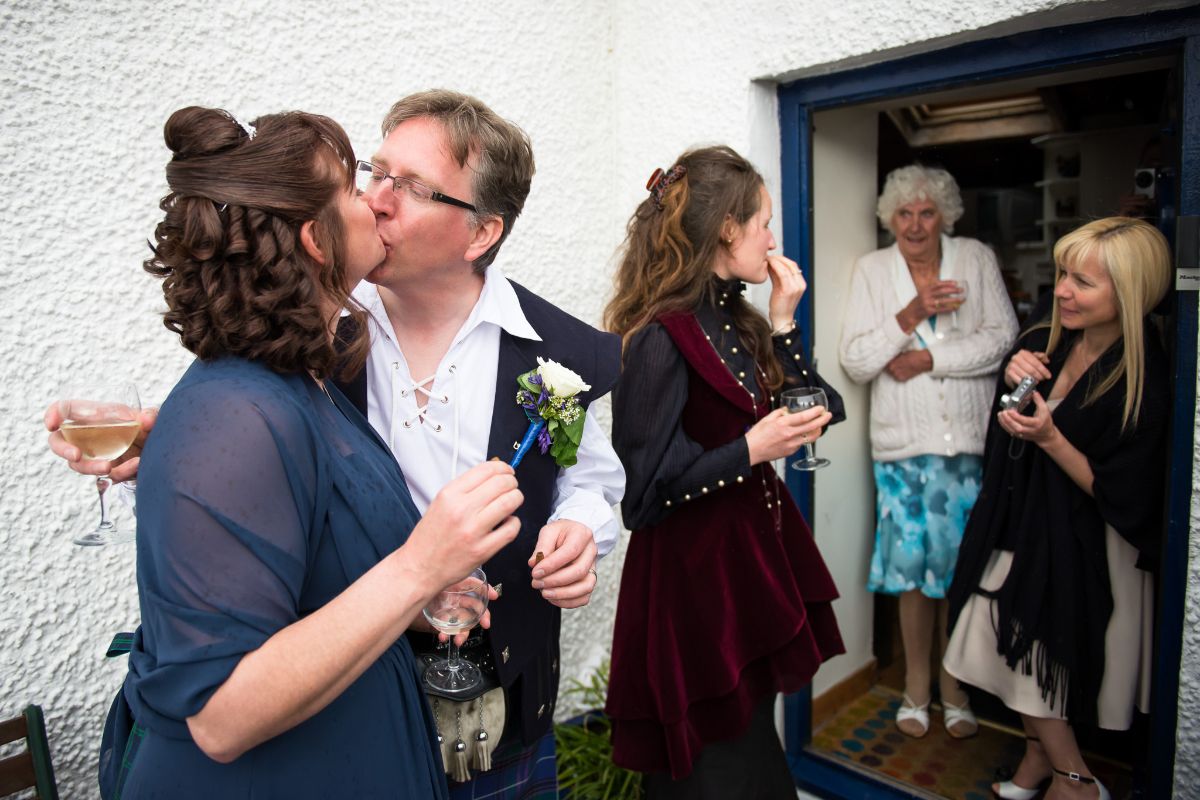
(1057, 590)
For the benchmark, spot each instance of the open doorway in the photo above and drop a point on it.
(1034, 157)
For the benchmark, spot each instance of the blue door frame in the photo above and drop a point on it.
(1038, 52)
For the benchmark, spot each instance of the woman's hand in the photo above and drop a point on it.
(787, 287)
(909, 365)
(939, 297)
(1039, 428)
(122, 468)
(1025, 363)
(780, 434)
(467, 523)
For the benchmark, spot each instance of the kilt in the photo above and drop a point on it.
(517, 773)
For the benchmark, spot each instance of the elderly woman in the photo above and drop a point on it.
(930, 350)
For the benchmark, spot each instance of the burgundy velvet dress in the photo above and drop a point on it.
(724, 598)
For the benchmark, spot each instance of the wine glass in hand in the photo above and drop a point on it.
(455, 609)
(961, 297)
(101, 419)
(798, 400)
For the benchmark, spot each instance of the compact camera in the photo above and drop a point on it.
(1143, 181)
(1019, 397)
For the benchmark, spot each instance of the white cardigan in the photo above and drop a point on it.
(943, 411)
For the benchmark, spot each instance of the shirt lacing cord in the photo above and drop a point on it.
(398, 392)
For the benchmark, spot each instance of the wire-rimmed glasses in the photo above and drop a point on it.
(369, 177)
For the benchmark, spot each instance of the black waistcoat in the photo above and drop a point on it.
(524, 633)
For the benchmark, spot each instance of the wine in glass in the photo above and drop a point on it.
(455, 609)
(101, 419)
(961, 296)
(798, 400)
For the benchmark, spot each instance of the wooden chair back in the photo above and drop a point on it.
(30, 768)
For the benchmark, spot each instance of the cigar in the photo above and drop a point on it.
(537, 557)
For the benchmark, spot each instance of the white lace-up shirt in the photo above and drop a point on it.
(439, 430)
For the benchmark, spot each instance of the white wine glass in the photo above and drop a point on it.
(455, 609)
(961, 296)
(798, 400)
(101, 419)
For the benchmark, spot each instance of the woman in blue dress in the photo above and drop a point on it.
(280, 557)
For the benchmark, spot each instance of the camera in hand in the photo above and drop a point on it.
(1143, 181)
(1019, 397)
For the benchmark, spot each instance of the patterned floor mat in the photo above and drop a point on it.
(864, 733)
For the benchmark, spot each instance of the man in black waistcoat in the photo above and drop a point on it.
(449, 337)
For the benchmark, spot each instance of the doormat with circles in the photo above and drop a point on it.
(864, 733)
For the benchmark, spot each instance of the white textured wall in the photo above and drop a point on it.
(607, 91)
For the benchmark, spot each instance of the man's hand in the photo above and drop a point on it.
(119, 469)
(566, 576)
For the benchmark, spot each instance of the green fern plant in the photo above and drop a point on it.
(585, 767)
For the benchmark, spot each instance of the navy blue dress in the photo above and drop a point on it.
(260, 500)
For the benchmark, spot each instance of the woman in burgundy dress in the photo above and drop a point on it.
(725, 600)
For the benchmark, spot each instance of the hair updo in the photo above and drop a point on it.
(236, 279)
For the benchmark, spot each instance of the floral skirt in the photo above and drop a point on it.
(922, 504)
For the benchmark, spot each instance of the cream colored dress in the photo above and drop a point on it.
(972, 658)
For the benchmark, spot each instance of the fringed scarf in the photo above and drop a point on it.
(1057, 592)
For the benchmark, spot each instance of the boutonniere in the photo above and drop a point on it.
(548, 397)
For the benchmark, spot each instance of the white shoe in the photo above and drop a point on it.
(953, 715)
(909, 710)
(1008, 790)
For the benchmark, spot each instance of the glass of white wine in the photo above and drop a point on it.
(961, 297)
(455, 609)
(101, 419)
(798, 400)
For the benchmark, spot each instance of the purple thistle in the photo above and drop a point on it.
(543, 440)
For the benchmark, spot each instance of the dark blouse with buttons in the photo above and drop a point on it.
(663, 466)
(724, 597)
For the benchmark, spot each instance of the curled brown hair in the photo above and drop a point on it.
(669, 252)
(236, 278)
(503, 169)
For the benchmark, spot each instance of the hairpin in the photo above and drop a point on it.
(250, 130)
(660, 181)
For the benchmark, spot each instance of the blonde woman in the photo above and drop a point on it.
(1051, 603)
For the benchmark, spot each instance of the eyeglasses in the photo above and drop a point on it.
(369, 177)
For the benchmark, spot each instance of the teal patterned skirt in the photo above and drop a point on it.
(921, 506)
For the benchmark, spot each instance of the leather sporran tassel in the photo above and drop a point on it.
(483, 751)
(459, 770)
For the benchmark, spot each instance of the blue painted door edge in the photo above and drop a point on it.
(1167, 32)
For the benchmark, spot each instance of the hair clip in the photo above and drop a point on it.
(660, 181)
(250, 130)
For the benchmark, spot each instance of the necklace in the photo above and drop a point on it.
(321, 385)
